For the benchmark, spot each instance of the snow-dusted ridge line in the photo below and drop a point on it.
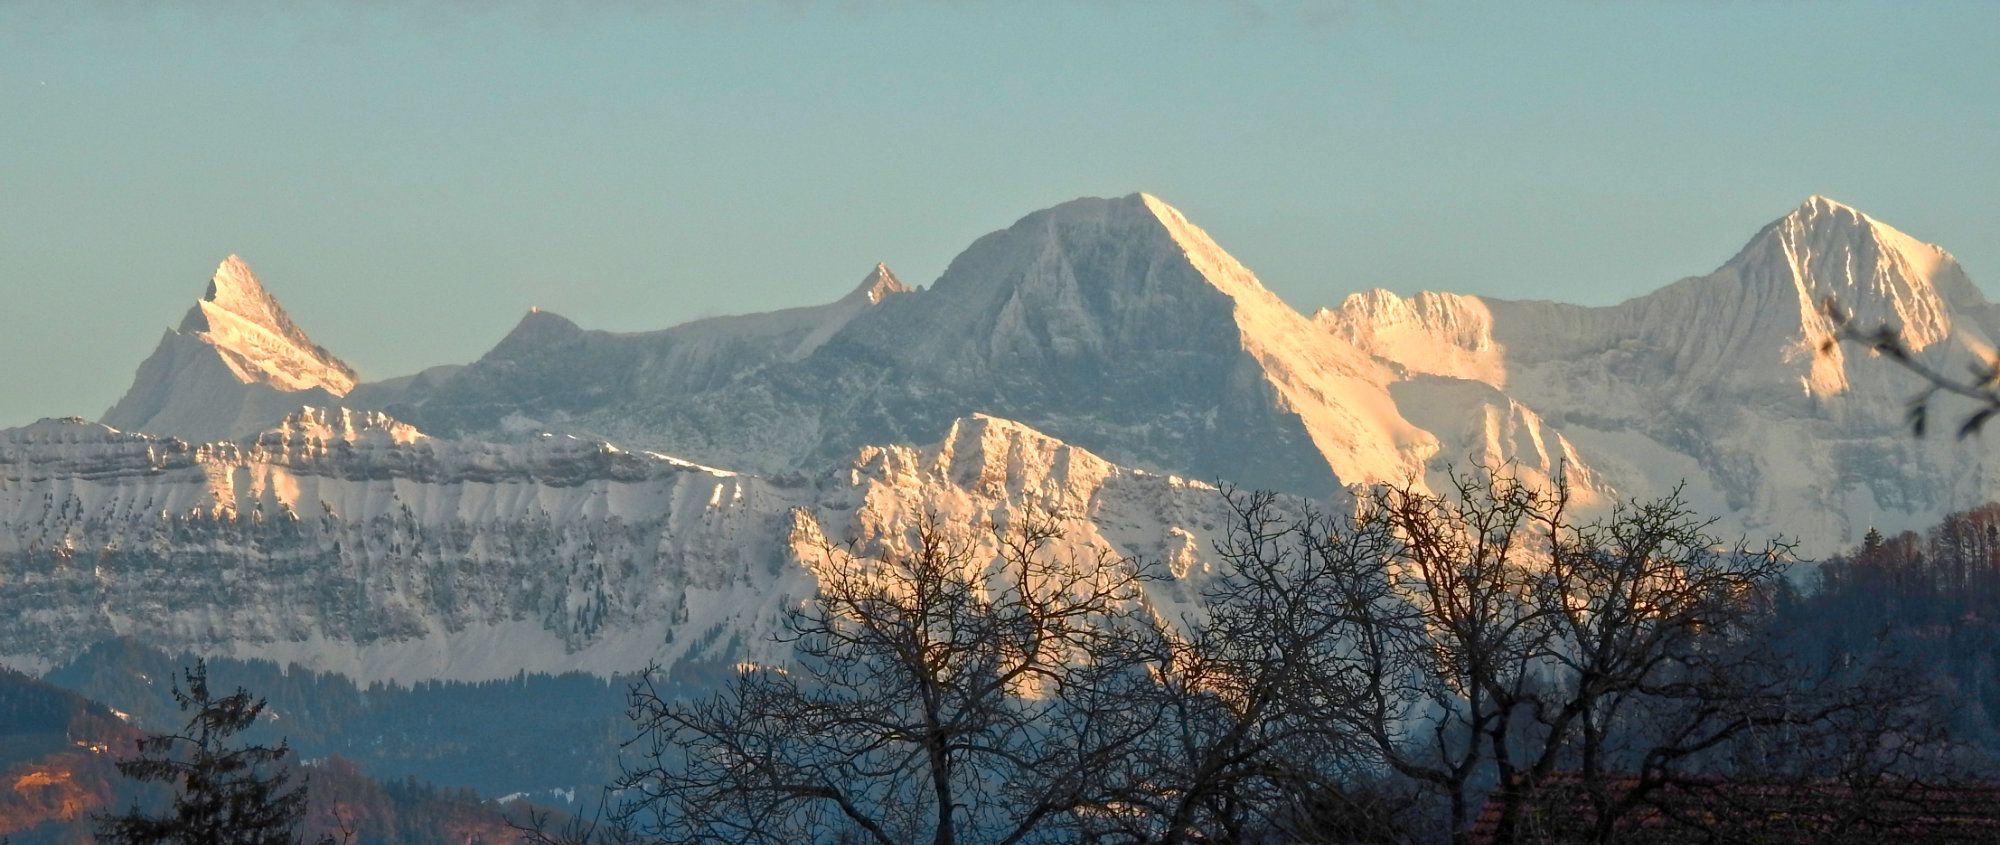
(1720, 380)
(345, 542)
(1120, 326)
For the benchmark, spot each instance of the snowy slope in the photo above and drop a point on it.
(1135, 351)
(236, 364)
(548, 373)
(351, 542)
(1719, 380)
(1115, 324)
(1121, 327)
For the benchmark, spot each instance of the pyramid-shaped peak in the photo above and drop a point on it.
(258, 340)
(1827, 250)
(538, 328)
(1826, 221)
(1136, 208)
(234, 288)
(878, 285)
(235, 291)
(1823, 229)
(1136, 242)
(1819, 204)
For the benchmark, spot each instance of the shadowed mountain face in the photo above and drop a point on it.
(1111, 323)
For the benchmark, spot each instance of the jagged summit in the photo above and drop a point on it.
(236, 364)
(260, 340)
(345, 425)
(1826, 250)
(878, 285)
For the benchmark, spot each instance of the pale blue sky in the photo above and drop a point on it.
(408, 179)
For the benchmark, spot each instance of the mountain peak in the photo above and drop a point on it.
(1827, 222)
(257, 338)
(1819, 204)
(878, 285)
(1757, 323)
(1827, 249)
(235, 289)
(537, 329)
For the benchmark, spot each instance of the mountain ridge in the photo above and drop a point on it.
(335, 543)
(1119, 325)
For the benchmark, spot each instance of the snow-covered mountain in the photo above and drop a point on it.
(347, 541)
(548, 372)
(1721, 381)
(1121, 327)
(500, 528)
(1114, 324)
(236, 364)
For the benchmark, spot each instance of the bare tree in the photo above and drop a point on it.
(1458, 640)
(1254, 733)
(939, 696)
(1483, 645)
(1487, 643)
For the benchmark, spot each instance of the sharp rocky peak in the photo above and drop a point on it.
(234, 288)
(257, 338)
(1826, 250)
(878, 285)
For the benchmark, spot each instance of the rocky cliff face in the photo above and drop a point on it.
(350, 542)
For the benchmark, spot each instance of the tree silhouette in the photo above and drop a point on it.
(939, 697)
(223, 795)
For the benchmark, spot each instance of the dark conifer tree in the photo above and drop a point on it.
(223, 795)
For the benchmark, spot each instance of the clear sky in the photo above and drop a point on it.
(410, 178)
